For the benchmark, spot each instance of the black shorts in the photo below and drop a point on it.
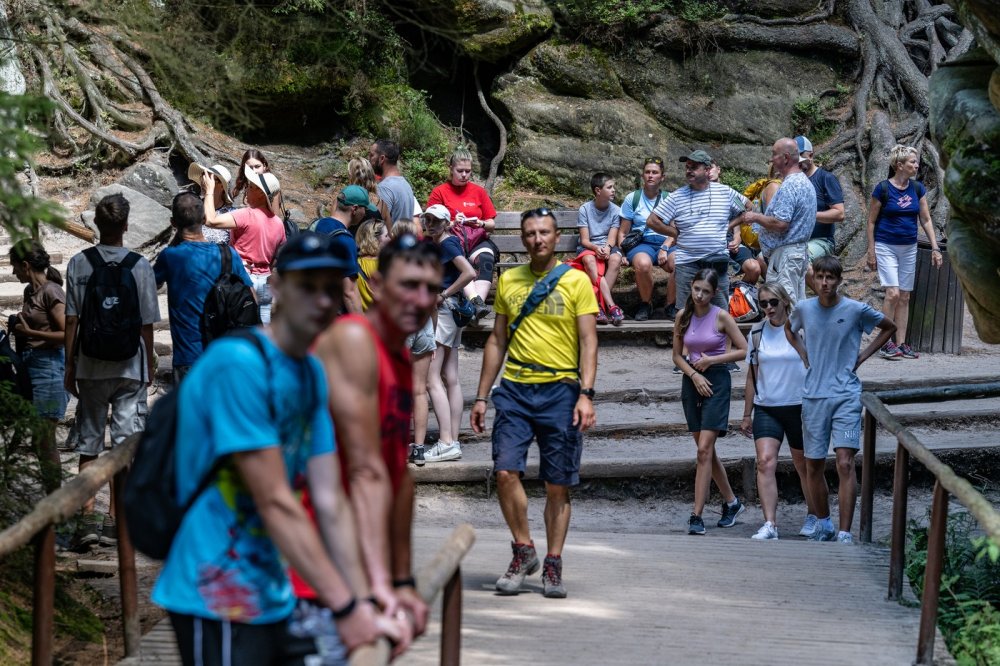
(217, 643)
(779, 423)
(710, 413)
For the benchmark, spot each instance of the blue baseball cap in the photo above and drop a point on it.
(309, 250)
(804, 145)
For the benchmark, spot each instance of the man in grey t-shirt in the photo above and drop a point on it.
(393, 189)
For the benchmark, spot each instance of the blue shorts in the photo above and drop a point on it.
(543, 411)
(830, 419)
(742, 254)
(46, 369)
(649, 246)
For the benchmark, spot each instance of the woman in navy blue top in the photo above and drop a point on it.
(898, 204)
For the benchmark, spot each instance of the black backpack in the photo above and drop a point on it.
(110, 321)
(229, 304)
(152, 512)
(12, 368)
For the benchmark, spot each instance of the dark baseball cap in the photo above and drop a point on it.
(309, 250)
(699, 156)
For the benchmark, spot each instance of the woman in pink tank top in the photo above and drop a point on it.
(703, 329)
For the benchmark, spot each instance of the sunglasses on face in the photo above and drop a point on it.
(536, 212)
(770, 302)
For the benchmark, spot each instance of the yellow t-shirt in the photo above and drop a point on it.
(368, 265)
(548, 336)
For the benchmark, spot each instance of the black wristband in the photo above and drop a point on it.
(404, 582)
(341, 613)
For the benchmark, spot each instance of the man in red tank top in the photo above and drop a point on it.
(371, 413)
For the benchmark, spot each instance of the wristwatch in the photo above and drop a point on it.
(588, 393)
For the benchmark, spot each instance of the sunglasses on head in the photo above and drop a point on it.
(770, 302)
(536, 212)
(654, 160)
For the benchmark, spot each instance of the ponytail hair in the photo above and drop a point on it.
(31, 251)
(708, 275)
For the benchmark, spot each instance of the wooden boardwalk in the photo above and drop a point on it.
(670, 599)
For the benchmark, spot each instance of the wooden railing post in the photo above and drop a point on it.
(932, 575)
(451, 621)
(44, 597)
(900, 492)
(128, 585)
(868, 477)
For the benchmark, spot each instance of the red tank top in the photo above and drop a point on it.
(395, 399)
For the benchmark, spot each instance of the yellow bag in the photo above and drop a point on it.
(753, 192)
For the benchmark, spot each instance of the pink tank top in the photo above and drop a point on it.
(702, 338)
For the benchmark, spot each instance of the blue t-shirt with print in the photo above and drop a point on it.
(833, 340)
(640, 212)
(190, 269)
(222, 564)
(828, 193)
(794, 203)
(898, 218)
(451, 247)
(327, 225)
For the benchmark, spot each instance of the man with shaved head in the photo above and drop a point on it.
(787, 223)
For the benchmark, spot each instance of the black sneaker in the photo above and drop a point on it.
(482, 309)
(109, 532)
(642, 314)
(671, 312)
(731, 513)
(696, 525)
(552, 585)
(417, 454)
(88, 532)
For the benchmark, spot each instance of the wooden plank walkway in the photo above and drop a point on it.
(668, 599)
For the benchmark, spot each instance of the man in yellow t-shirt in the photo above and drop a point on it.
(546, 394)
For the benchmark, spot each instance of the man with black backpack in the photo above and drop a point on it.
(546, 393)
(208, 289)
(111, 306)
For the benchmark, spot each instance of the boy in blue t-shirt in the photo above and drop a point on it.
(189, 269)
(598, 252)
(831, 402)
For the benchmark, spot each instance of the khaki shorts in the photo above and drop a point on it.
(127, 399)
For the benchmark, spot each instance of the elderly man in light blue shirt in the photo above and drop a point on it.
(785, 227)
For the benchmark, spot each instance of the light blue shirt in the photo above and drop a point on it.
(222, 564)
(640, 212)
(795, 203)
(833, 340)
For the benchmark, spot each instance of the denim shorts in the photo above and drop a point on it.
(46, 368)
(684, 274)
(127, 399)
(422, 342)
(779, 423)
(543, 412)
(711, 413)
(819, 247)
(650, 246)
(830, 419)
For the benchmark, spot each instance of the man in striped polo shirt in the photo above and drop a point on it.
(698, 215)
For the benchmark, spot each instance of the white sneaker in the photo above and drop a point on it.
(809, 526)
(767, 531)
(844, 537)
(443, 451)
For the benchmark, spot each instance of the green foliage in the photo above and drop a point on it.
(814, 116)
(21, 118)
(425, 169)
(969, 607)
(524, 178)
(610, 21)
(736, 179)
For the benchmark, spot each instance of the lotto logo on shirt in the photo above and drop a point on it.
(904, 201)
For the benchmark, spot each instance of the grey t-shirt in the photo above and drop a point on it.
(397, 194)
(833, 340)
(598, 222)
(78, 271)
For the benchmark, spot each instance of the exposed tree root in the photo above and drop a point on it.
(502, 151)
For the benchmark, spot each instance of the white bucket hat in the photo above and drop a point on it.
(195, 171)
(266, 182)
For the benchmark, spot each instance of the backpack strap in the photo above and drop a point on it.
(130, 260)
(536, 296)
(635, 199)
(759, 332)
(338, 232)
(94, 257)
(227, 261)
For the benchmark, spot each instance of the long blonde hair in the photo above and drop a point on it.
(367, 237)
(360, 172)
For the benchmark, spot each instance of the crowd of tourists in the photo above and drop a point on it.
(294, 431)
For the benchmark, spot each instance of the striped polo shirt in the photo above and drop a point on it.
(701, 218)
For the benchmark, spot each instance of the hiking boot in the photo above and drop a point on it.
(482, 309)
(417, 454)
(602, 318)
(88, 532)
(844, 537)
(552, 585)
(443, 452)
(766, 532)
(731, 513)
(642, 314)
(671, 312)
(524, 563)
(824, 531)
(617, 316)
(890, 351)
(907, 351)
(809, 526)
(696, 525)
(677, 370)
(109, 532)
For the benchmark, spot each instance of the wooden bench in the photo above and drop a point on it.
(507, 236)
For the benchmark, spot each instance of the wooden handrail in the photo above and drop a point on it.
(64, 502)
(984, 513)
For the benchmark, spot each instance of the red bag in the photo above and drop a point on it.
(468, 236)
